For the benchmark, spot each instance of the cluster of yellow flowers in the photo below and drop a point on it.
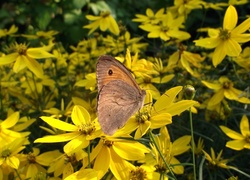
(48, 91)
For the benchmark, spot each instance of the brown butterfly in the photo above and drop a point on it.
(119, 96)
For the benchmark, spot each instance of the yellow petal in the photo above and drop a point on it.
(102, 162)
(8, 58)
(230, 133)
(19, 64)
(244, 126)
(236, 144)
(216, 98)
(76, 144)
(34, 67)
(10, 121)
(80, 115)
(178, 107)
(208, 42)
(160, 120)
(245, 25)
(39, 53)
(213, 86)
(113, 26)
(219, 54)
(181, 145)
(230, 18)
(232, 47)
(13, 162)
(59, 124)
(57, 138)
(124, 150)
(142, 129)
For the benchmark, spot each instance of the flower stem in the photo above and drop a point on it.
(192, 142)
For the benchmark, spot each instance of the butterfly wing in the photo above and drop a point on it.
(108, 69)
(117, 102)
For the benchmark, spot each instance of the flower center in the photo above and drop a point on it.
(6, 153)
(105, 14)
(147, 80)
(31, 158)
(247, 138)
(86, 129)
(224, 34)
(138, 174)
(70, 159)
(108, 143)
(226, 85)
(142, 117)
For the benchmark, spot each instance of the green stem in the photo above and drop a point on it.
(88, 150)
(159, 151)
(192, 141)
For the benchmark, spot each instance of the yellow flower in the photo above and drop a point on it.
(224, 88)
(216, 161)
(184, 7)
(124, 41)
(112, 153)
(58, 113)
(167, 29)
(6, 134)
(169, 150)
(42, 34)
(25, 57)
(80, 134)
(65, 164)
(150, 17)
(9, 152)
(104, 21)
(34, 85)
(226, 40)
(157, 115)
(83, 174)
(240, 141)
(32, 162)
(186, 60)
(4, 32)
(243, 59)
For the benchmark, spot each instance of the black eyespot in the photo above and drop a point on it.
(110, 72)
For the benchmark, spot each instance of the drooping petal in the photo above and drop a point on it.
(113, 26)
(218, 55)
(102, 162)
(244, 126)
(232, 47)
(13, 162)
(19, 64)
(34, 67)
(230, 18)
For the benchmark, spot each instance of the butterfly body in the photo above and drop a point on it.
(119, 96)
